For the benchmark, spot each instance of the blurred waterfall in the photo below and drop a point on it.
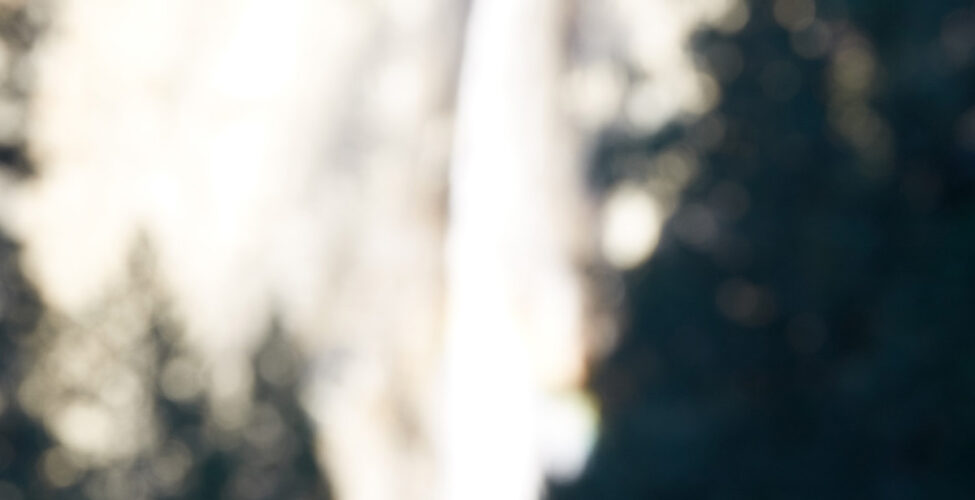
(228, 164)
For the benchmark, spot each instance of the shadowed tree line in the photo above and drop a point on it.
(804, 327)
(270, 457)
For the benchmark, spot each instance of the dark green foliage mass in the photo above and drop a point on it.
(811, 334)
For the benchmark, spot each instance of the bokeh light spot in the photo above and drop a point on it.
(631, 226)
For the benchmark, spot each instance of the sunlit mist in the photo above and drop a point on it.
(395, 190)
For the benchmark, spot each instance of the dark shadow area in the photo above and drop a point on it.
(20, 27)
(804, 329)
(22, 439)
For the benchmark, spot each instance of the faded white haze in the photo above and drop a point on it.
(399, 183)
